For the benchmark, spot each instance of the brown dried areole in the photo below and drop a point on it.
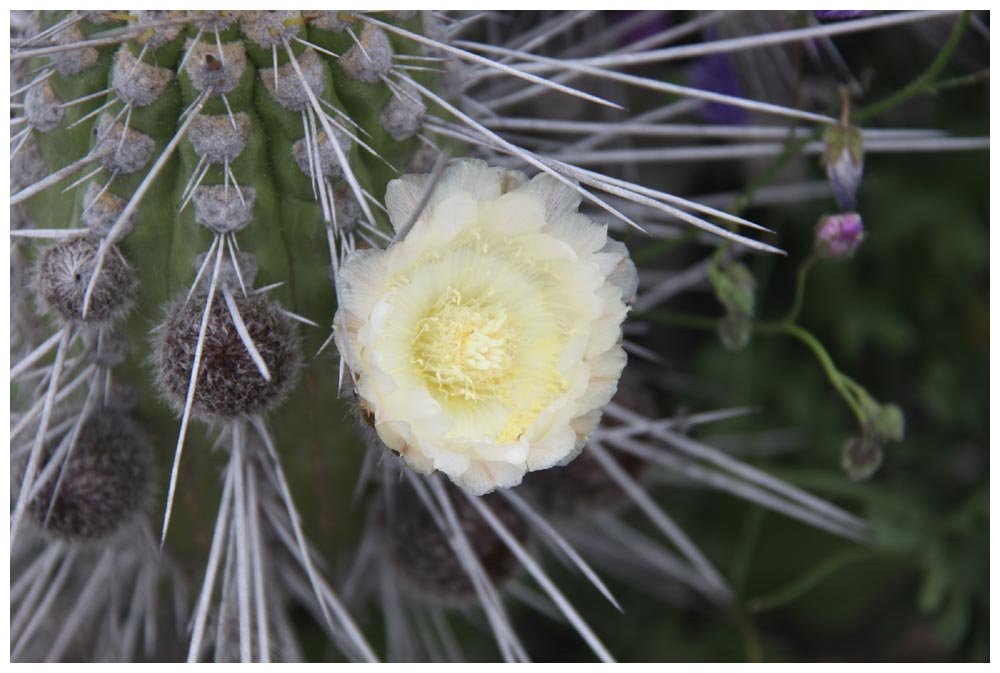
(579, 487)
(64, 270)
(103, 483)
(229, 383)
(421, 554)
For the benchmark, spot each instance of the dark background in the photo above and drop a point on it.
(908, 318)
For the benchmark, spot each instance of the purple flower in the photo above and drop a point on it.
(656, 23)
(839, 235)
(837, 14)
(716, 73)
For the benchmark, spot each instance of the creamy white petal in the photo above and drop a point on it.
(397, 437)
(485, 343)
(487, 476)
(402, 196)
(606, 330)
(557, 448)
(620, 269)
(473, 177)
(605, 370)
(584, 425)
(579, 232)
(559, 198)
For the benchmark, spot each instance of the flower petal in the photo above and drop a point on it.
(485, 342)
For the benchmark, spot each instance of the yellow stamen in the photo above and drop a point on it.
(465, 349)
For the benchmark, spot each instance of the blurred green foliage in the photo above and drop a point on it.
(908, 318)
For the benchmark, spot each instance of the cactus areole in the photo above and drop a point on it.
(215, 160)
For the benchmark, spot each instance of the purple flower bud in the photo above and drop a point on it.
(839, 235)
(844, 174)
(844, 162)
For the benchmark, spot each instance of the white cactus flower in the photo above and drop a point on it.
(485, 342)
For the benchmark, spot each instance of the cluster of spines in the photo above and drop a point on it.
(104, 482)
(230, 384)
(124, 151)
(171, 126)
(195, 126)
(420, 552)
(254, 129)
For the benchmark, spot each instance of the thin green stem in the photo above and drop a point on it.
(800, 288)
(832, 373)
(962, 80)
(855, 387)
(923, 83)
(811, 579)
(840, 382)
(748, 632)
(850, 391)
(739, 567)
(792, 147)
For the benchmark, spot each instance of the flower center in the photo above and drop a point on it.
(464, 349)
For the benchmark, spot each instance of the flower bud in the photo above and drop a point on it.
(887, 423)
(861, 456)
(734, 288)
(734, 330)
(844, 162)
(839, 235)
(890, 424)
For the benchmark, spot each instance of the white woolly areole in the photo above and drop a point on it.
(486, 341)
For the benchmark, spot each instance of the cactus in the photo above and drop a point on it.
(191, 195)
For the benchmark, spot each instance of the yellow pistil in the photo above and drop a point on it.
(465, 349)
